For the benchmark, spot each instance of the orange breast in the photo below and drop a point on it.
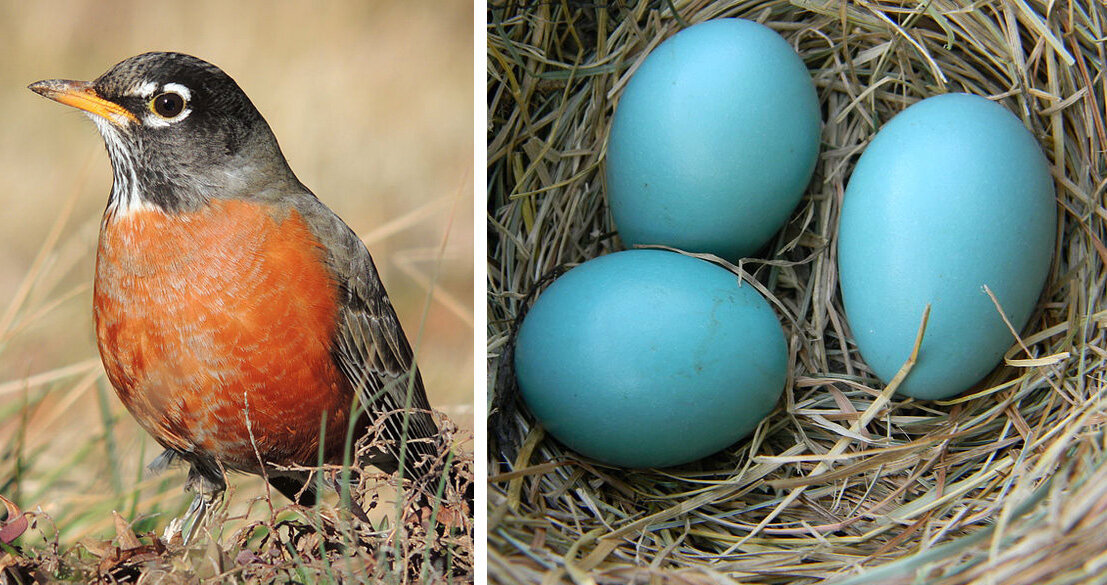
(210, 320)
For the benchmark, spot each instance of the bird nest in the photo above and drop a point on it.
(843, 482)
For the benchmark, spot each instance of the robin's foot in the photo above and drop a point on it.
(209, 492)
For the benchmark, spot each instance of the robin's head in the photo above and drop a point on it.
(178, 129)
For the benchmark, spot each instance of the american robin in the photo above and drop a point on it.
(241, 322)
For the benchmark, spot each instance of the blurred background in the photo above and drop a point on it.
(372, 103)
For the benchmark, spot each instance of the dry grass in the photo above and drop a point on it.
(270, 540)
(372, 104)
(839, 484)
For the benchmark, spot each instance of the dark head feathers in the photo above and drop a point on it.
(195, 134)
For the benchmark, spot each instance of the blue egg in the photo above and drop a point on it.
(714, 140)
(952, 195)
(648, 358)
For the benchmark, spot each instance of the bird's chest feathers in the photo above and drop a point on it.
(226, 301)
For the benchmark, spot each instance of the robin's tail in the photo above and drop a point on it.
(435, 466)
(443, 490)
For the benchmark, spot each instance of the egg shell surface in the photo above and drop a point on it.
(649, 358)
(713, 141)
(952, 195)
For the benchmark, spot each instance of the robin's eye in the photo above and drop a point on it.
(168, 105)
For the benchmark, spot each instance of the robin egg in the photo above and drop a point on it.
(952, 199)
(648, 358)
(713, 141)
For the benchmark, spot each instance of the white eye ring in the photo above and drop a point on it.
(170, 105)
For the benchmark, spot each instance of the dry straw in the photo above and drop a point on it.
(1005, 485)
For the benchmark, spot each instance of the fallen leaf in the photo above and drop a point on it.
(16, 525)
(123, 532)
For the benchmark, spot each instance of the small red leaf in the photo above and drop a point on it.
(16, 525)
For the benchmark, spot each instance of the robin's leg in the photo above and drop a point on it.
(207, 482)
(295, 488)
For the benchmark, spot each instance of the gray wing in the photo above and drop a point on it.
(373, 353)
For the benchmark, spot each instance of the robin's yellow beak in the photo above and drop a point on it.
(81, 95)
